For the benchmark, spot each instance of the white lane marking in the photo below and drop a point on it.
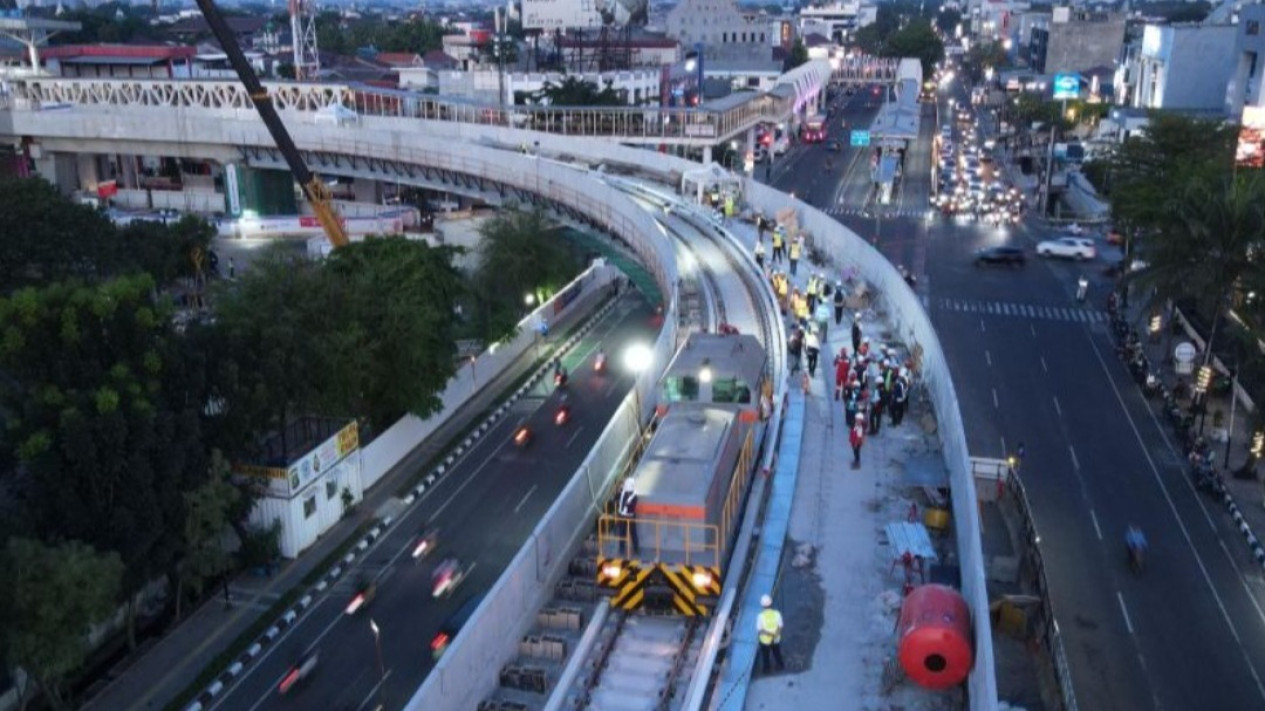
(1128, 624)
(988, 358)
(1097, 529)
(526, 496)
(1033, 329)
(995, 398)
(1075, 462)
(471, 477)
(276, 645)
(1056, 406)
(981, 326)
(1181, 525)
(381, 682)
(575, 434)
(1004, 452)
(1044, 367)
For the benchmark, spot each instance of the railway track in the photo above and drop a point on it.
(616, 660)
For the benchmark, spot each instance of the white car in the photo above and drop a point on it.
(1070, 247)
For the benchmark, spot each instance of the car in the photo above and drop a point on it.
(1068, 247)
(449, 629)
(366, 590)
(1012, 256)
(299, 671)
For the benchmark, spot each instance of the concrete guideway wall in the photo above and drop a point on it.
(909, 321)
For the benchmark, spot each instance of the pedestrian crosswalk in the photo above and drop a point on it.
(918, 213)
(1001, 308)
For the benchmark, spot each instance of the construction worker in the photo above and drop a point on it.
(769, 631)
(759, 254)
(797, 247)
(627, 510)
(779, 251)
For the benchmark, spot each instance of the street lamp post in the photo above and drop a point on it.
(382, 669)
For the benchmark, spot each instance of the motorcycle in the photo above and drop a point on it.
(560, 379)
(299, 671)
(563, 415)
(426, 541)
(365, 592)
(522, 436)
(1082, 289)
(1136, 558)
(599, 363)
(1152, 386)
(448, 575)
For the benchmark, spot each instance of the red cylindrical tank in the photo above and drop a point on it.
(934, 632)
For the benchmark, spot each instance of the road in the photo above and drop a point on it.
(1032, 365)
(847, 190)
(484, 508)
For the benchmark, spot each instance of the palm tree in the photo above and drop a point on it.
(1208, 246)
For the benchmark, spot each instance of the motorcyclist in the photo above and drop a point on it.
(1135, 541)
(600, 361)
(446, 575)
(1082, 288)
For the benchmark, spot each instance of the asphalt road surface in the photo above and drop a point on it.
(846, 191)
(484, 508)
(1032, 365)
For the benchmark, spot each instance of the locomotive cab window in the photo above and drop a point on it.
(731, 390)
(680, 389)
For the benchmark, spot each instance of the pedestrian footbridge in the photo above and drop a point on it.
(343, 103)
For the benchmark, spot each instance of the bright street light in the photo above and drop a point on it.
(638, 357)
(529, 298)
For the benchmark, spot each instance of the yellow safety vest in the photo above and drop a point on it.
(795, 248)
(777, 240)
(769, 622)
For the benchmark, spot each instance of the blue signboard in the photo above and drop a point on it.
(1067, 86)
(860, 139)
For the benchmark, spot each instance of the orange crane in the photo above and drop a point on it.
(314, 190)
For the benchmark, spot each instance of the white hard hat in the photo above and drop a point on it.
(766, 601)
(629, 484)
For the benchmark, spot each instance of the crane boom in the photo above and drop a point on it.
(313, 189)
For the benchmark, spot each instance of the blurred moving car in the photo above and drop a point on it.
(1068, 247)
(1011, 256)
(301, 670)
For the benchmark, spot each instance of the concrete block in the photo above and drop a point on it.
(321, 585)
(305, 601)
(234, 669)
(289, 616)
(272, 632)
(253, 650)
(409, 499)
(215, 688)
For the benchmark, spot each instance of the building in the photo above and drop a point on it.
(1068, 41)
(725, 31)
(585, 52)
(1244, 88)
(119, 61)
(836, 21)
(308, 478)
(638, 87)
(1184, 67)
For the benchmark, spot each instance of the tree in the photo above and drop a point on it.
(1208, 243)
(948, 20)
(45, 237)
(52, 596)
(520, 254)
(209, 510)
(105, 418)
(167, 252)
(1143, 173)
(916, 39)
(270, 330)
(102, 24)
(983, 55)
(797, 56)
(391, 330)
(574, 91)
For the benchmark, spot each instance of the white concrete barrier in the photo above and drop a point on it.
(909, 321)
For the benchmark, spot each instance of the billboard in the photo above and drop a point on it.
(560, 14)
(1250, 152)
(1067, 86)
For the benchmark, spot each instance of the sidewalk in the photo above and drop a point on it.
(162, 669)
(1243, 500)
